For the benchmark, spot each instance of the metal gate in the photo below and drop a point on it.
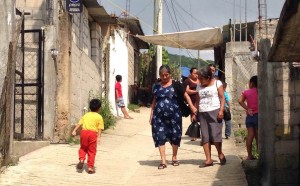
(29, 86)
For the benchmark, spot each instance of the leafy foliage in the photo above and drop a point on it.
(187, 61)
(133, 107)
(147, 66)
(240, 133)
(105, 111)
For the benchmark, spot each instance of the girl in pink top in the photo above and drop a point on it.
(251, 108)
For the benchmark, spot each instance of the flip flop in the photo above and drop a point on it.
(91, 171)
(175, 163)
(80, 165)
(223, 161)
(206, 165)
(162, 166)
(250, 158)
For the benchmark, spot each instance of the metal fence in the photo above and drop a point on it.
(29, 81)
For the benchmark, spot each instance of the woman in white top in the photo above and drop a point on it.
(211, 107)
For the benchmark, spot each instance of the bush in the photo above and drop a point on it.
(108, 117)
(133, 107)
(243, 134)
(240, 133)
(105, 111)
(74, 140)
(254, 150)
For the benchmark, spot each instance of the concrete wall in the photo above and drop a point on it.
(279, 121)
(39, 18)
(7, 24)
(85, 82)
(81, 32)
(7, 29)
(239, 68)
(37, 10)
(118, 64)
(50, 82)
(85, 63)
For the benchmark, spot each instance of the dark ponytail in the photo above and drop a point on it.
(253, 80)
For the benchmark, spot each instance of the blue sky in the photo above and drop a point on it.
(192, 14)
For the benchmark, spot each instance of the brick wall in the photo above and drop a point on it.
(81, 32)
(37, 10)
(287, 123)
(279, 120)
(85, 82)
(85, 63)
(239, 68)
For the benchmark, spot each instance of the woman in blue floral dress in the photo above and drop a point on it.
(166, 117)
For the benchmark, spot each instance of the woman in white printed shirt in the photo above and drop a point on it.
(211, 107)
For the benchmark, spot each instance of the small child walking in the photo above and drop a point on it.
(251, 96)
(92, 125)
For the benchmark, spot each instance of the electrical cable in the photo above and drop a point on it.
(170, 16)
(144, 8)
(175, 15)
(180, 46)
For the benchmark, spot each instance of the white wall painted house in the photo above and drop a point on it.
(118, 66)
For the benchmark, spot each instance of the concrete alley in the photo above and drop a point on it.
(126, 156)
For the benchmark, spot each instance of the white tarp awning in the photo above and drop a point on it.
(201, 39)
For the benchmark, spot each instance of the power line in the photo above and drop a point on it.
(117, 6)
(191, 11)
(183, 19)
(175, 14)
(144, 8)
(170, 16)
(200, 22)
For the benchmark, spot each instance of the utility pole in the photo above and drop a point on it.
(246, 25)
(234, 21)
(198, 59)
(158, 30)
(240, 20)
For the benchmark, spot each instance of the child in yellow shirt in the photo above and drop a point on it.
(92, 125)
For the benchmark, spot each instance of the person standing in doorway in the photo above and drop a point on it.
(251, 96)
(119, 97)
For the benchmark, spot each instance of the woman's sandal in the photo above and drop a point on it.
(222, 161)
(175, 163)
(162, 166)
(206, 165)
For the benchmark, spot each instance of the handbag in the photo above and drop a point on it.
(193, 130)
(180, 90)
(227, 114)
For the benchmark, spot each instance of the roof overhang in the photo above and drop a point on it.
(98, 13)
(201, 39)
(286, 46)
(135, 28)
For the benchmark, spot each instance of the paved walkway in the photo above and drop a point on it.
(126, 156)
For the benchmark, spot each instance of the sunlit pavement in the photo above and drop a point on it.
(126, 156)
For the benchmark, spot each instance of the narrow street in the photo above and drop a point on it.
(126, 156)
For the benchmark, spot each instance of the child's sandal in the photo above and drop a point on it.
(91, 171)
